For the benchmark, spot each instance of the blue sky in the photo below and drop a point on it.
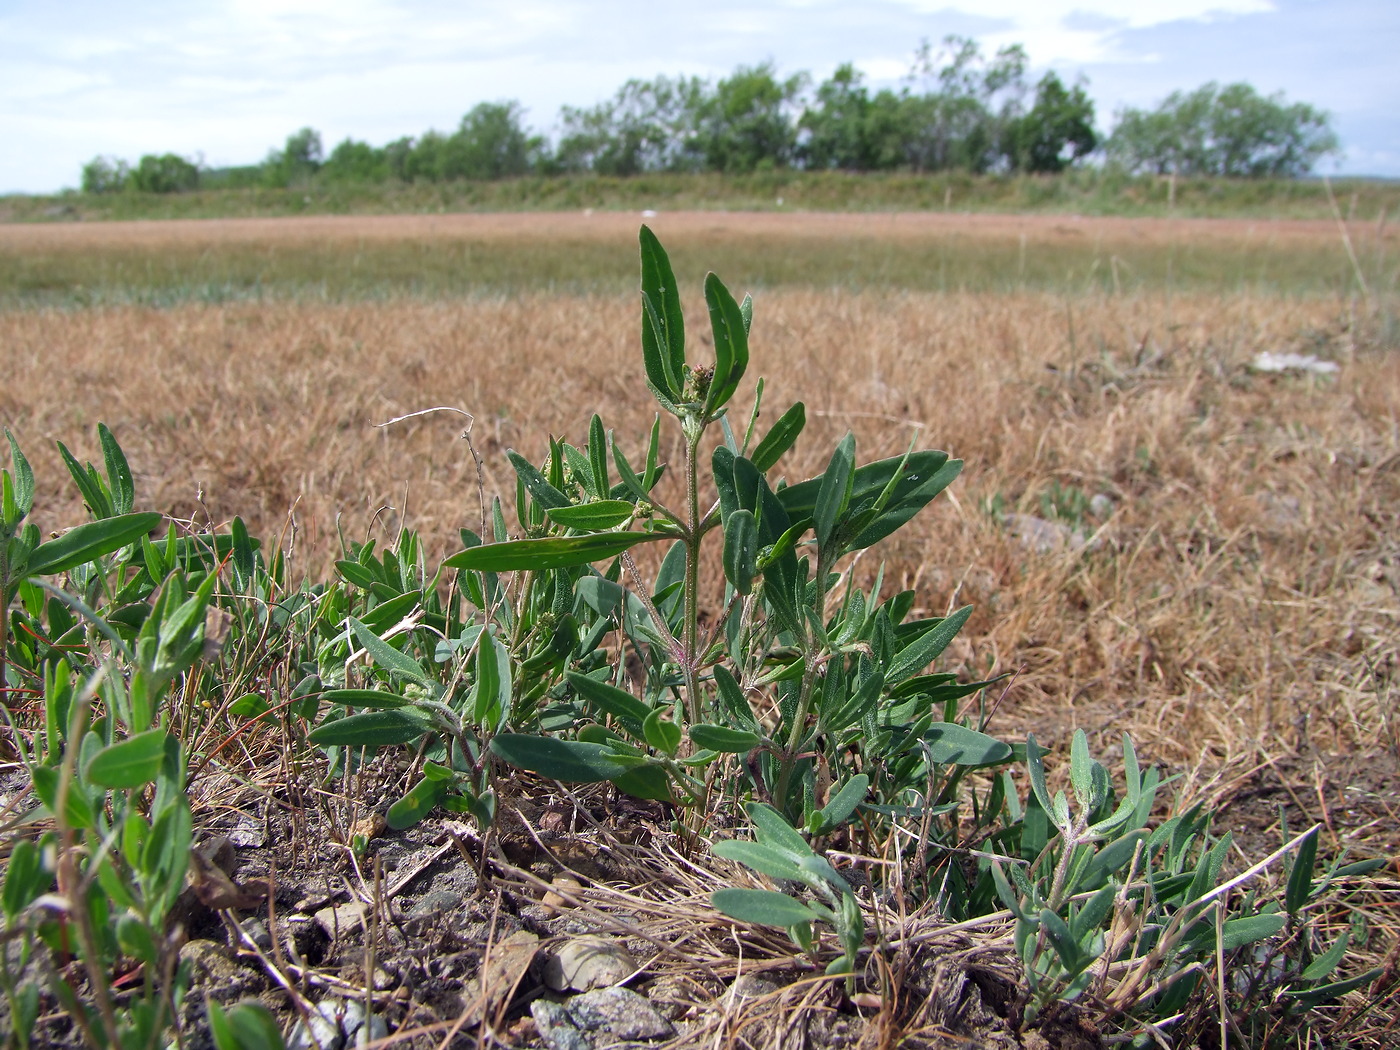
(229, 79)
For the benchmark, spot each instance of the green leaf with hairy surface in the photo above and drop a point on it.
(648, 782)
(663, 325)
(1036, 769)
(923, 650)
(128, 763)
(731, 344)
(598, 456)
(571, 761)
(22, 494)
(774, 830)
(549, 552)
(88, 482)
(741, 550)
(834, 494)
(723, 739)
(246, 1026)
(774, 863)
(1300, 876)
(1236, 933)
(541, 491)
(731, 695)
(596, 516)
(25, 878)
(88, 542)
(77, 810)
(619, 703)
(373, 729)
(841, 805)
(387, 657)
(763, 907)
(1310, 997)
(417, 803)
(118, 471)
(373, 698)
(780, 437)
(661, 733)
(1321, 968)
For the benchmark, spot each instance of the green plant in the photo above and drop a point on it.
(98, 890)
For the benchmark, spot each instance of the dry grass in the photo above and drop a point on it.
(1242, 596)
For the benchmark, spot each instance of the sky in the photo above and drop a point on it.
(225, 81)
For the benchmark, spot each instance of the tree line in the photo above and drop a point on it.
(956, 109)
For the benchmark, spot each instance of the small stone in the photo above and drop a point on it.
(749, 987)
(585, 963)
(336, 1023)
(556, 1028)
(435, 902)
(620, 1012)
(342, 919)
(553, 900)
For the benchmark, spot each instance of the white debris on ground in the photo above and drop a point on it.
(1041, 536)
(1268, 361)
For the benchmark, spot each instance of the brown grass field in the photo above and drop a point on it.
(1237, 609)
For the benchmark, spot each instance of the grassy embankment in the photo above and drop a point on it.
(1086, 192)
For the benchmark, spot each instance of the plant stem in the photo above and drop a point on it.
(690, 625)
(811, 658)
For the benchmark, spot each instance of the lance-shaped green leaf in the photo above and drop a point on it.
(834, 494)
(598, 455)
(845, 801)
(770, 861)
(780, 438)
(387, 657)
(731, 344)
(774, 830)
(417, 803)
(952, 744)
(87, 542)
(548, 552)
(77, 810)
(596, 516)
(663, 326)
(373, 729)
(723, 739)
(572, 761)
(611, 700)
(1310, 997)
(89, 483)
(128, 763)
(741, 550)
(118, 471)
(22, 495)
(536, 484)
(1300, 875)
(731, 695)
(763, 907)
(923, 650)
(1035, 767)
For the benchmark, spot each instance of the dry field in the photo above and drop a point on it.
(1236, 607)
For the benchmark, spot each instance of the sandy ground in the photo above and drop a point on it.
(605, 226)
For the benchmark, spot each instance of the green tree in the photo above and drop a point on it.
(355, 162)
(164, 173)
(105, 175)
(297, 161)
(490, 143)
(647, 126)
(1230, 131)
(960, 118)
(836, 128)
(1058, 129)
(748, 124)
